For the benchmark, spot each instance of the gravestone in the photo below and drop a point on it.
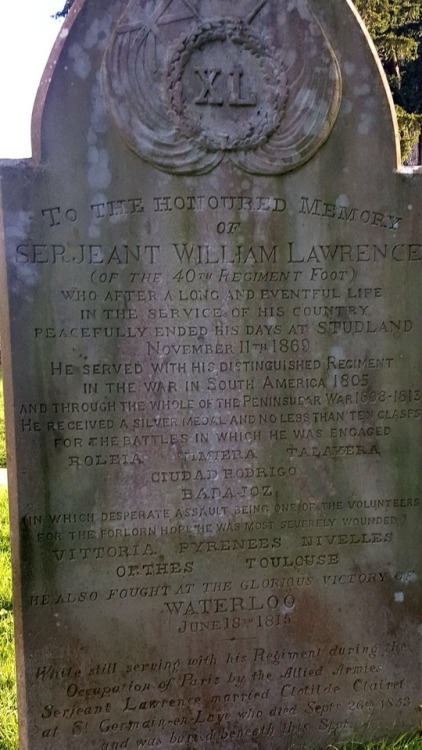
(212, 352)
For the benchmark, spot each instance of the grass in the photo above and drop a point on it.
(8, 714)
(8, 718)
(404, 742)
(2, 430)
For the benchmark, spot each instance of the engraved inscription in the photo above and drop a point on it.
(215, 488)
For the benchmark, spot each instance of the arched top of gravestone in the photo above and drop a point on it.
(185, 85)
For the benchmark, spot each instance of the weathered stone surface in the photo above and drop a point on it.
(211, 340)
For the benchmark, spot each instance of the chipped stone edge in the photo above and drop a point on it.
(42, 91)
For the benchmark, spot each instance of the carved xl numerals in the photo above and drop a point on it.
(233, 88)
(189, 88)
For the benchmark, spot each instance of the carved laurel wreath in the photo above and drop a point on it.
(150, 87)
(258, 129)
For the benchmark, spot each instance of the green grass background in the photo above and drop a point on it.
(2, 430)
(8, 716)
(8, 720)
